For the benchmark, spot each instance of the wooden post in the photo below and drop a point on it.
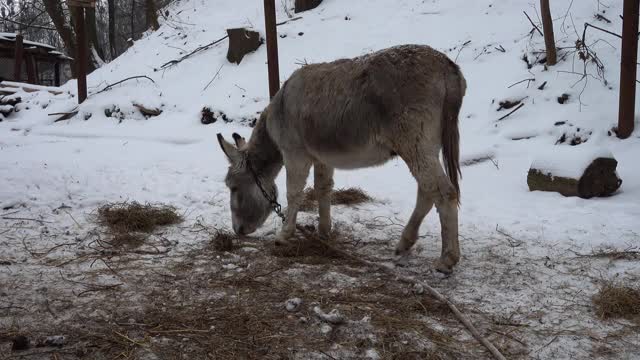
(17, 68)
(628, 70)
(82, 53)
(272, 46)
(56, 74)
(549, 38)
(31, 76)
(82, 56)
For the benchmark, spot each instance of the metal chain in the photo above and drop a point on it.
(273, 201)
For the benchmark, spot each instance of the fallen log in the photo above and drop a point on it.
(12, 86)
(10, 100)
(575, 172)
(241, 42)
(147, 111)
(6, 110)
(304, 5)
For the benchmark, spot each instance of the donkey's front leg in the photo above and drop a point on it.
(297, 169)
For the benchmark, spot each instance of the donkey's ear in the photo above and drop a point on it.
(233, 154)
(240, 141)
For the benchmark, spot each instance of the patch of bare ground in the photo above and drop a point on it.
(227, 298)
(197, 291)
(348, 196)
(242, 313)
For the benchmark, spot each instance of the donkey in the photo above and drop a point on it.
(353, 113)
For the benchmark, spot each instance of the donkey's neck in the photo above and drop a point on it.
(262, 152)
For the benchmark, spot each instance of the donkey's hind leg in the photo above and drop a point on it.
(424, 203)
(297, 168)
(434, 186)
(323, 184)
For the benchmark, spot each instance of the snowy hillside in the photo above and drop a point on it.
(521, 250)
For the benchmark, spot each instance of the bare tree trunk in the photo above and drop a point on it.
(75, 21)
(549, 39)
(628, 69)
(92, 34)
(56, 13)
(133, 16)
(112, 29)
(152, 15)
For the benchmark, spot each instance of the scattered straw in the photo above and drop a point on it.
(223, 241)
(348, 196)
(617, 301)
(129, 217)
(128, 240)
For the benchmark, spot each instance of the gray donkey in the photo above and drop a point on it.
(354, 113)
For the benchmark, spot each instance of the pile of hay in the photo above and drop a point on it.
(223, 241)
(348, 196)
(617, 301)
(130, 222)
(135, 217)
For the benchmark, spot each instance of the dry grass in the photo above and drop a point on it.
(309, 248)
(223, 241)
(348, 196)
(617, 301)
(194, 307)
(128, 240)
(129, 217)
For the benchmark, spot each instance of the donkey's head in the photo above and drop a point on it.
(249, 207)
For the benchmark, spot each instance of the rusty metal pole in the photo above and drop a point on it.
(272, 46)
(628, 68)
(17, 68)
(82, 57)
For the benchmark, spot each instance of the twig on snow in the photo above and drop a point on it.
(511, 112)
(197, 50)
(461, 48)
(521, 81)
(290, 20)
(214, 77)
(586, 25)
(532, 23)
(26, 219)
(123, 80)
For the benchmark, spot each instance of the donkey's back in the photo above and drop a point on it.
(358, 112)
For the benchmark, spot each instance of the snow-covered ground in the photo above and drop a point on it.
(521, 250)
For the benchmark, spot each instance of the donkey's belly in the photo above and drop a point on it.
(372, 155)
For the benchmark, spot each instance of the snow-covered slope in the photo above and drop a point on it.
(487, 38)
(174, 158)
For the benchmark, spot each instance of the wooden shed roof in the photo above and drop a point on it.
(7, 41)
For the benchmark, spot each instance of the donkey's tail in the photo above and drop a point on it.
(455, 89)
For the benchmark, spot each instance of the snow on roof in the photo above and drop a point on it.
(12, 37)
(60, 55)
(34, 45)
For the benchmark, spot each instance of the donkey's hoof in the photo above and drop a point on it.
(443, 268)
(402, 258)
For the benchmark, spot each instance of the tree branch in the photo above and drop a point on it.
(28, 25)
(532, 23)
(121, 81)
